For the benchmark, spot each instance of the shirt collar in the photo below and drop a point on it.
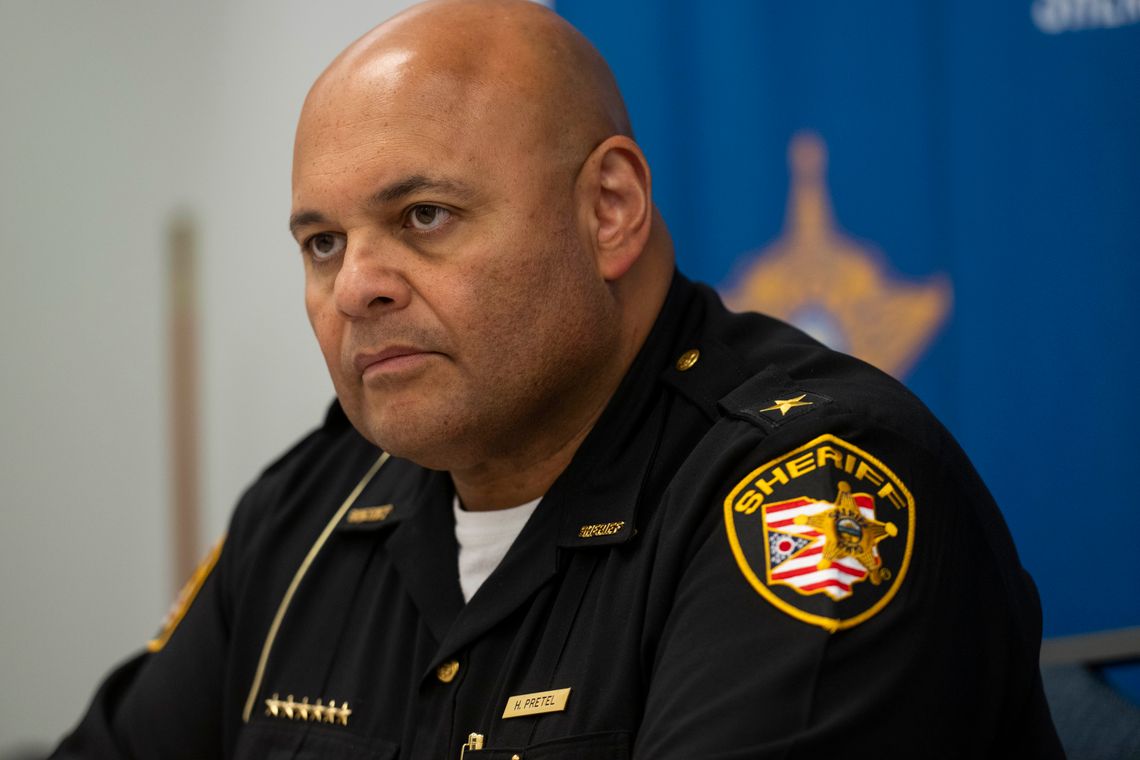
(597, 496)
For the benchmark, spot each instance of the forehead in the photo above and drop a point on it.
(392, 118)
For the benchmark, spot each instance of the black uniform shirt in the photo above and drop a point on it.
(764, 549)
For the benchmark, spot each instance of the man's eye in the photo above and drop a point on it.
(325, 245)
(426, 218)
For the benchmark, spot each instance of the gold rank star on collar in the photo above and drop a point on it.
(785, 405)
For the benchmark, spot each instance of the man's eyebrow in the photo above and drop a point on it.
(393, 192)
(304, 219)
(416, 183)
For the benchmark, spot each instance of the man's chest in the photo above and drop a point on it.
(356, 669)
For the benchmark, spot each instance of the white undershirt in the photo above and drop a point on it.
(484, 538)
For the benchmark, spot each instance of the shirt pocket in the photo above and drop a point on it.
(611, 745)
(263, 740)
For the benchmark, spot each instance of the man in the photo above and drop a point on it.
(724, 539)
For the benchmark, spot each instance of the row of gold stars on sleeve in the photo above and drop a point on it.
(317, 712)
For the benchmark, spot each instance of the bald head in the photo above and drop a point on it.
(474, 58)
(481, 251)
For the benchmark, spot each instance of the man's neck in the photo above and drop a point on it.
(506, 483)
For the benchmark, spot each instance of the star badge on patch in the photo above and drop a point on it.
(824, 532)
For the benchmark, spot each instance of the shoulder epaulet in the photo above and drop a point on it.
(770, 398)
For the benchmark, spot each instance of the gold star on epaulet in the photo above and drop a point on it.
(785, 405)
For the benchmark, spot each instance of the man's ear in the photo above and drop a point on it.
(614, 191)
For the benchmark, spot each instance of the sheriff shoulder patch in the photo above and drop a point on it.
(185, 599)
(824, 532)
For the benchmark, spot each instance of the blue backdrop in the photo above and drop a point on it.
(949, 189)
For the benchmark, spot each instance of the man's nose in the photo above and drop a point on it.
(368, 282)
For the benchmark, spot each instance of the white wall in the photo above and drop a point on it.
(113, 116)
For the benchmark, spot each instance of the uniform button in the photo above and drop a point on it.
(515, 757)
(688, 359)
(446, 672)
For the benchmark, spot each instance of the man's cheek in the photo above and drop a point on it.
(329, 338)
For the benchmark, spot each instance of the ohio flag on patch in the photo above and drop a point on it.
(796, 547)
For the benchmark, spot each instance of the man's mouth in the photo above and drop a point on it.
(390, 360)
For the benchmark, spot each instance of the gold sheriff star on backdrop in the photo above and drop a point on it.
(831, 286)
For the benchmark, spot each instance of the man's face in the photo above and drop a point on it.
(448, 282)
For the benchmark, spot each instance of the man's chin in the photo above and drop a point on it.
(401, 436)
(423, 453)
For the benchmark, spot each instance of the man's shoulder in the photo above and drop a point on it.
(806, 420)
(335, 425)
(825, 483)
(298, 492)
(797, 407)
(780, 380)
(800, 421)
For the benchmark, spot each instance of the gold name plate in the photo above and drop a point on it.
(358, 515)
(536, 703)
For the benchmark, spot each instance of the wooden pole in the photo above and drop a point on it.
(182, 342)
